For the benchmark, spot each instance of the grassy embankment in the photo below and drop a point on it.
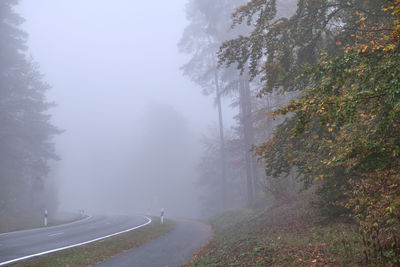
(90, 254)
(281, 236)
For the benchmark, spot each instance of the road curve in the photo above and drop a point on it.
(21, 245)
(176, 248)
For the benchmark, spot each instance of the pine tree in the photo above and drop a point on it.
(26, 132)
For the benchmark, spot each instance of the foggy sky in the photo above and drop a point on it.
(108, 62)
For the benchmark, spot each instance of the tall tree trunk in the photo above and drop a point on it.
(248, 138)
(251, 135)
(222, 142)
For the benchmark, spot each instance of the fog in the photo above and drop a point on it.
(132, 122)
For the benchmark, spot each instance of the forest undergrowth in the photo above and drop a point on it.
(289, 234)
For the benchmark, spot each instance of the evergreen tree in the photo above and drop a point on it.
(26, 131)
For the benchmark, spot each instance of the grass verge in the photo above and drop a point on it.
(93, 253)
(280, 236)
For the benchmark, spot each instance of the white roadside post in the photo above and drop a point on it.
(45, 218)
(162, 216)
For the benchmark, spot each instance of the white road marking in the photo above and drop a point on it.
(61, 233)
(51, 227)
(76, 245)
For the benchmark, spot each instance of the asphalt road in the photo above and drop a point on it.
(176, 248)
(29, 243)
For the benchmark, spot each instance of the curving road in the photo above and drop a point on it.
(176, 248)
(21, 245)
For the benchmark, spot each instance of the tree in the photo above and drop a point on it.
(343, 137)
(354, 102)
(278, 50)
(281, 44)
(165, 163)
(209, 170)
(208, 29)
(26, 131)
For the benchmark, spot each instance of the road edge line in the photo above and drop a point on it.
(76, 245)
(49, 227)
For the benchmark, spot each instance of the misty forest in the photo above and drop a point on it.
(267, 132)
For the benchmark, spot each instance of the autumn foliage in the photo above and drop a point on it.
(343, 137)
(351, 110)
